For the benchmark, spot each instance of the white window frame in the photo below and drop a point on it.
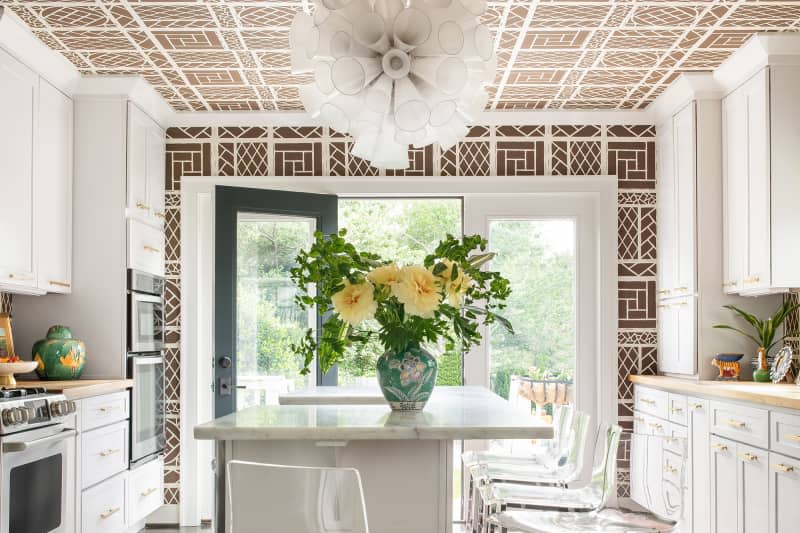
(197, 267)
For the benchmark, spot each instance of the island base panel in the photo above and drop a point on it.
(407, 483)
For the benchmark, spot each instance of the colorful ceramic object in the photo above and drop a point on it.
(728, 366)
(407, 378)
(59, 356)
(7, 371)
(761, 375)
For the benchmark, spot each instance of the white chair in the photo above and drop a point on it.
(665, 494)
(266, 498)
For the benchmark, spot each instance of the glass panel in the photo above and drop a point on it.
(268, 321)
(409, 229)
(149, 422)
(535, 368)
(150, 322)
(34, 496)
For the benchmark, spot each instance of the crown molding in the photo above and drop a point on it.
(17, 40)
(133, 88)
(490, 118)
(686, 87)
(760, 50)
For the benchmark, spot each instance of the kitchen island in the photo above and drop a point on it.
(405, 458)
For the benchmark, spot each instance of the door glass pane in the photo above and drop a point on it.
(268, 321)
(535, 368)
(35, 495)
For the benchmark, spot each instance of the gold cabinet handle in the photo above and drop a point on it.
(783, 468)
(736, 423)
(679, 304)
(648, 401)
(110, 451)
(655, 425)
(676, 410)
(729, 284)
(696, 406)
(638, 419)
(682, 289)
(664, 306)
(60, 283)
(107, 408)
(719, 447)
(143, 207)
(752, 279)
(20, 277)
(670, 469)
(161, 215)
(748, 457)
(663, 291)
(148, 492)
(151, 249)
(106, 514)
(795, 438)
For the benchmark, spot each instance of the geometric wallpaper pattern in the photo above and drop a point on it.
(5, 302)
(233, 55)
(627, 151)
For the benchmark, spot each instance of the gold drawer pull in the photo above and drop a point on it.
(20, 277)
(108, 408)
(110, 451)
(679, 304)
(730, 284)
(752, 279)
(719, 447)
(638, 419)
(676, 410)
(663, 291)
(696, 406)
(151, 249)
(670, 469)
(783, 468)
(648, 401)
(148, 492)
(748, 457)
(60, 284)
(655, 425)
(736, 423)
(161, 215)
(795, 438)
(664, 306)
(143, 207)
(106, 514)
(682, 289)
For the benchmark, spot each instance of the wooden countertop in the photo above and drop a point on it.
(81, 388)
(784, 395)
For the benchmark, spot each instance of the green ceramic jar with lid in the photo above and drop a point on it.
(58, 355)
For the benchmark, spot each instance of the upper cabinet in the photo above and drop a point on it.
(19, 88)
(52, 211)
(760, 113)
(146, 146)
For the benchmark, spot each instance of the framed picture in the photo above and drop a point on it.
(6, 340)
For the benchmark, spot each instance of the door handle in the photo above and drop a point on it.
(225, 361)
(22, 446)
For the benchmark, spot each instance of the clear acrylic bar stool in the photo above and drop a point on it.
(664, 492)
(555, 470)
(298, 499)
(498, 497)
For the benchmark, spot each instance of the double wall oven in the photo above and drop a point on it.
(146, 364)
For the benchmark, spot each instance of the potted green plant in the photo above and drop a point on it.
(446, 298)
(764, 333)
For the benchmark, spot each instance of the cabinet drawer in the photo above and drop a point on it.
(103, 410)
(784, 434)
(677, 409)
(145, 490)
(145, 248)
(745, 424)
(104, 453)
(673, 469)
(649, 425)
(103, 507)
(652, 401)
(676, 440)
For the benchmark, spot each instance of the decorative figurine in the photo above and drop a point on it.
(728, 366)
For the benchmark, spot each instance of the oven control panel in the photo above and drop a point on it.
(34, 412)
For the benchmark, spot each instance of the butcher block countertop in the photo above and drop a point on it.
(81, 388)
(784, 395)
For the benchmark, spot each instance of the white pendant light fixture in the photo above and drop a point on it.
(394, 73)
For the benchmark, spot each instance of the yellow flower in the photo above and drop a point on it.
(454, 289)
(355, 303)
(71, 360)
(385, 275)
(418, 291)
(38, 359)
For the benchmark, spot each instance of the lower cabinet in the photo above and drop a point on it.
(784, 494)
(698, 473)
(145, 490)
(752, 472)
(724, 493)
(103, 506)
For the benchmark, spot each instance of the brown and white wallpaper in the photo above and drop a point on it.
(5, 302)
(626, 151)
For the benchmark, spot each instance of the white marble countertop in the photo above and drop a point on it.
(336, 395)
(451, 413)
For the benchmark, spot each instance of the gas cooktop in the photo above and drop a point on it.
(13, 394)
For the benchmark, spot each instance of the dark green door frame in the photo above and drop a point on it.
(229, 202)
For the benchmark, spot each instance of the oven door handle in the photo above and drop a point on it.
(22, 446)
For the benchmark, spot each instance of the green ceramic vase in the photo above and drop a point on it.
(407, 378)
(59, 355)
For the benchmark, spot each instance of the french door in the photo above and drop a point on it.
(258, 233)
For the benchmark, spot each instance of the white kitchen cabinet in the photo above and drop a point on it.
(752, 472)
(19, 88)
(145, 247)
(761, 156)
(724, 492)
(145, 183)
(698, 473)
(103, 507)
(53, 190)
(145, 490)
(784, 494)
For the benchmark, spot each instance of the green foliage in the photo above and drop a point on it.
(764, 330)
(332, 259)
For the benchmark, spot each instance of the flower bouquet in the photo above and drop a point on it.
(445, 299)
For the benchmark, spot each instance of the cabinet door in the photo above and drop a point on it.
(698, 471)
(638, 462)
(666, 211)
(685, 356)
(753, 483)
(138, 126)
(756, 91)
(18, 100)
(155, 170)
(668, 336)
(784, 494)
(724, 493)
(734, 147)
(53, 190)
(145, 248)
(683, 134)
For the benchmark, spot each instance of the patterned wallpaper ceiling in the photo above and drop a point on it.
(231, 55)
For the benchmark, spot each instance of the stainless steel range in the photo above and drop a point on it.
(37, 461)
